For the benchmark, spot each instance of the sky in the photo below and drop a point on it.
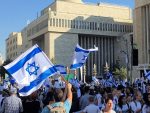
(14, 14)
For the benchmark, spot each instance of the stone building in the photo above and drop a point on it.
(64, 23)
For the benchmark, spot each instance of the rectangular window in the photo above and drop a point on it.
(111, 27)
(50, 22)
(56, 22)
(83, 25)
(62, 22)
(76, 24)
(65, 23)
(87, 25)
(95, 25)
(69, 23)
(80, 24)
(53, 21)
(91, 25)
(72, 23)
(59, 22)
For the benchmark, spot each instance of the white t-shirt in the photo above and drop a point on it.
(135, 105)
(145, 109)
(91, 108)
(98, 98)
(124, 108)
(112, 111)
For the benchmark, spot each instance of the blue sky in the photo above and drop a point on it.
(14, 14)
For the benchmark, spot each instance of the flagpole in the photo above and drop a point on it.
(84, 71)
(62, 77)
(81, 73)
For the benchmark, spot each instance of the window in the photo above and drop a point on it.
(50, 22)
(100, 26)
(69, 23)
(104, 26)
(80, 24)
(59, 22)
(53, 21)
(91, 25)
(95, 26)
(87, 25)
(56, 22)
(13, 40)
(65, 23)
(111, 27)
(72, 23)
(83, 25)
(62, 22)
(76, 24)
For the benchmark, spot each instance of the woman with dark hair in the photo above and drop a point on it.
(146, 107)
(108, 105)
(123, 107)
(32, 104)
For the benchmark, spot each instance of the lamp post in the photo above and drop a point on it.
(131, 40)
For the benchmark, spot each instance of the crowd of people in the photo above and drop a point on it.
(60, 96)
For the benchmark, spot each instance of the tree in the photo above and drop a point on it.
(2, 69)
(121, 73)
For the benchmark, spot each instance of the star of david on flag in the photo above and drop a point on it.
(30, 70)
(80, 56)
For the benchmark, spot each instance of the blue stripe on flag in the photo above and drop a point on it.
(74, 66)
(63, 73)
(21, 63)
(38, 80)
(81, 50)
(59, 66)
(147, 75)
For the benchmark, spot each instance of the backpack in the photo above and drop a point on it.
(57, 109)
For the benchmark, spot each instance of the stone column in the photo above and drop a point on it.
(47, 44)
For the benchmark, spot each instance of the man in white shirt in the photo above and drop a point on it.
(136, 105)
(91, 108)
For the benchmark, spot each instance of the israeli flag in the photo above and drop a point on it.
(75, 83)
(80, 56)
(147, 74)
(61, 69)
(95, 80)
(30, 70)
(109, 74)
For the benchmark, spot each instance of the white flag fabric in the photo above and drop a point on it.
(30, 70)
(61, 69)
(80, 56)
